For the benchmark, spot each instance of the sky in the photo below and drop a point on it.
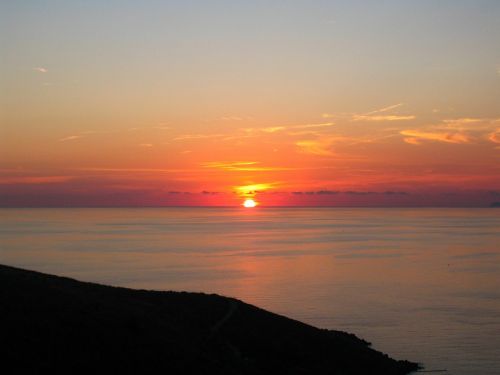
(291, 103)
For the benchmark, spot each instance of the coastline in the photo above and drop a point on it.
(56, 323)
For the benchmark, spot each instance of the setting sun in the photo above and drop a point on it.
(249, 203)
(356, 135)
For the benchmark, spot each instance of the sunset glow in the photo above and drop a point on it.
(332, 161)
(249, 203)
(311, 109)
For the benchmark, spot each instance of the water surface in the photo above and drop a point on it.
(420, 284)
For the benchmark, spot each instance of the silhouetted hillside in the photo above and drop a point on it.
(495, 204)
(52, 324)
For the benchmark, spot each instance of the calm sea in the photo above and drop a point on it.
(420, 284)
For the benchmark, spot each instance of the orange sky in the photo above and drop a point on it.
(296, 104)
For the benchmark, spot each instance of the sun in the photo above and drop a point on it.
(249, 203)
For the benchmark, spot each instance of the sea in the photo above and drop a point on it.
(421, 284)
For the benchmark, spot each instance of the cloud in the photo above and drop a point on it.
(274, 129)
(495, 136)
(368, 140)
(385, 109)
(302, 133)
(416, 136)
(327, 192)
(230, 166)
(198, 136)
(321, 147)
(349, 192)
(382, 118)
(314, 147)
(252, 189)
(40, 69)
(236, 118)
(34, 179)
(243, 166)
(70, 138)
(463, 120)
(319, 192)
(395, 192)
(145, 145)
(243, 133)
(143, 171)
(466, 123)
(413, 141)
(308, 126)
(379, 115)
(389, 192)
(481, 128)
(455, 130)
(271, 129)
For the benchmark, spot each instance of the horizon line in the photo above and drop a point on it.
(257, 207)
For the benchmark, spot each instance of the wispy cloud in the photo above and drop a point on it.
(385, 109)
(351, 192)
(70, 138)
(470, 124)
(463, 120)
(378, 115)
(147, 145)
(327, 115)
(368, 140)
(139, 170)
(320, 192)
(85, 133)
(320, 146)
(413, 141)
(198, 136)
(269, 129)
(40, 69)
(232, 118)
(274, 129)
(495, 136)
(466, 123)
(382, 117)
(243, 166)
(252, 189)
(230, 166)
(243, 133)
(34, 179)
(416, 137)
(308, 126)
(456, 130)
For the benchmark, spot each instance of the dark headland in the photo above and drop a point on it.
(52, 324)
